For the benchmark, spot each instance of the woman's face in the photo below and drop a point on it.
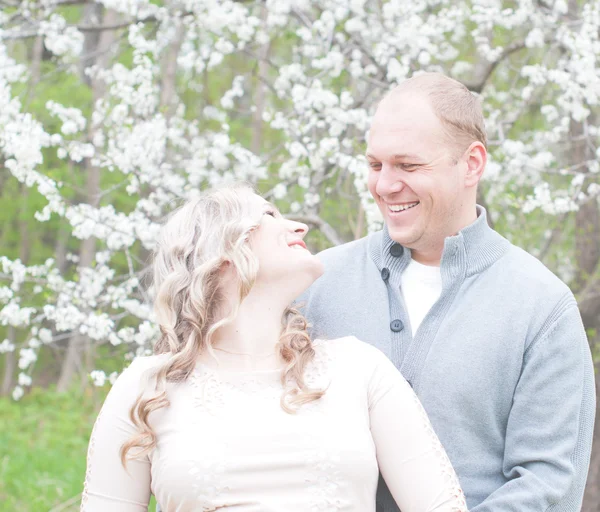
(281, 252)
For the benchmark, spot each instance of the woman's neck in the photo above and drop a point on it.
(251, 337)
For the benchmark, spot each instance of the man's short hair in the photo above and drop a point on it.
(458, 109)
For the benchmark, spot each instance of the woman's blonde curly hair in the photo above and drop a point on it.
(194, 243)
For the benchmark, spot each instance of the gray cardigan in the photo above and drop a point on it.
(501, 362)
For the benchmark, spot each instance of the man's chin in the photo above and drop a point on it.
(404, 237)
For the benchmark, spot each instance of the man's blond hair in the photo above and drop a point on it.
(458, 109)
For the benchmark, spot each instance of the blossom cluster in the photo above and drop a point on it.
(307, 73)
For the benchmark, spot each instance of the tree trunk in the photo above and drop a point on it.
(92, 15)
(259, 97)
(79, 355)
(168, 84)
(9, 364)
(591, 500)
(25, 247)
(10, 359)
(587, 220)
(360, 223)
(587, 285)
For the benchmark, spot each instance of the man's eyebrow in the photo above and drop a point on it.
(406, 156)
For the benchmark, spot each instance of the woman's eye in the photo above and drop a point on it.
(271, 213)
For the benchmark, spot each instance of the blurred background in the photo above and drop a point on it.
(112, 111)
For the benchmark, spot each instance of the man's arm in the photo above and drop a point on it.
(550, 427)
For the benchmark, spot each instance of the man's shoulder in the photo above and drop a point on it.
(527, 276)
(525, 264)
(350, 251)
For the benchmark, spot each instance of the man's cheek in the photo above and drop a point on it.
(372, 183)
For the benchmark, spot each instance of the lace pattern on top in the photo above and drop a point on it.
(459, 503)
(316, 371)
(325, 482)
(90, 454)
(212, 392)
(324, 477)
(208, 483)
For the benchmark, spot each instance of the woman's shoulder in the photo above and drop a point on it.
(142, 364)
(349, 352)
(140, 371)
(348, 346)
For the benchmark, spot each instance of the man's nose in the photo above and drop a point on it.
(389, 182)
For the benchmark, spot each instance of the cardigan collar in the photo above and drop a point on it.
(470, 251)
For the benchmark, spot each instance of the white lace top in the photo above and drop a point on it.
(225, 443)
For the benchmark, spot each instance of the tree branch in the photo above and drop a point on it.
(480, 84)
(314, 220)
(116, 26)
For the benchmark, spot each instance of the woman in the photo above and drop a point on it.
(239, 411)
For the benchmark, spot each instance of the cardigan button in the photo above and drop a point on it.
(396, 250)
(385, 274)
(396, 325)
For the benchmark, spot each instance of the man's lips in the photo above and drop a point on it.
(401, 207)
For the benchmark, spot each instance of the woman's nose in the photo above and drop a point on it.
(300, 228)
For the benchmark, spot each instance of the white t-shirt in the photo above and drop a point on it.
(421, 286)
(225, 443)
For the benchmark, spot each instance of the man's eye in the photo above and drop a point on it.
(407, 167)
(375, 166)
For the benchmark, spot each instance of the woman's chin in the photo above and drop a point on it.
(319, 268)
(303, 281)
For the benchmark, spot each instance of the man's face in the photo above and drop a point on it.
(413, 173)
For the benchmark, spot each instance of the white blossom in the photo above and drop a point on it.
(98, 377)
(6, 346)
(18, 393)
(27, 357)
(24, 380)
(325, 65)
(279, 191)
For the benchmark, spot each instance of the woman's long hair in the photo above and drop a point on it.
(197, 239)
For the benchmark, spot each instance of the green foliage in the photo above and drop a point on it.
(43, 445)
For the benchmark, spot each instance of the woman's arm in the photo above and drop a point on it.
(411, 458)
(108, 485)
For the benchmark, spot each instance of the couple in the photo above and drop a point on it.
(239, 411)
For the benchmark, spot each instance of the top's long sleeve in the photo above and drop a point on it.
(108, 485)
(411, 458)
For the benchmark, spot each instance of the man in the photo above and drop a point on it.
(491, 341)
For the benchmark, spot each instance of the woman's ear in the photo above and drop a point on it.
(476, 158)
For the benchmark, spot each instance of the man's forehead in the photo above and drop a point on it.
(391, 138)
(405, 107)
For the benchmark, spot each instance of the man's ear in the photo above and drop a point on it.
(476, 158)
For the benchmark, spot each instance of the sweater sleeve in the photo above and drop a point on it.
(549, 429)
(108, 485)
(411, 458)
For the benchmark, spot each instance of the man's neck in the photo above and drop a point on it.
(432, 256)
(431, 259)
